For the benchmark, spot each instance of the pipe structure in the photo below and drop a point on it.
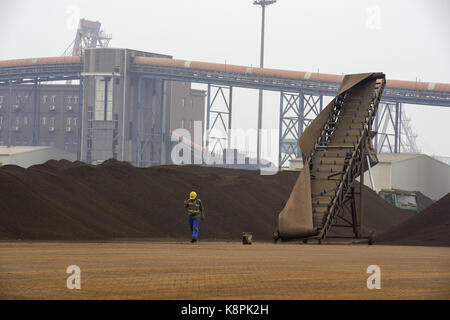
(39, 61)
(260, 97)
(263, 4)
(220, 67)
(282, 74)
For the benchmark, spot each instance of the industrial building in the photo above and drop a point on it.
(57, 121)
(188, 105)
(412, 172)
(110, 124)
(128, 103)
(129, 117)
(404, 171)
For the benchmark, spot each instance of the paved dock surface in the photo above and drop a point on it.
(221, 270)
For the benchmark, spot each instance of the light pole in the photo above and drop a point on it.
(263, 4)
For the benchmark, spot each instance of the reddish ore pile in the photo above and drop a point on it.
(63, 200)
(430, 227)
(76, 201)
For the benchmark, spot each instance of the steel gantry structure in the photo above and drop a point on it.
(301, 93)
(301, 96)
(88, 35)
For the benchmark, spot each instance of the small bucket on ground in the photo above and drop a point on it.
(247, 237)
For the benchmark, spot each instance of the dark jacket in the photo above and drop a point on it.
(194, 208)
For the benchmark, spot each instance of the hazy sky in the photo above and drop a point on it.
(404, 39)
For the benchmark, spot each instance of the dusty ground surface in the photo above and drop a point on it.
(221, 270)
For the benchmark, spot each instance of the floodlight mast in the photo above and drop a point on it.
(263, 4)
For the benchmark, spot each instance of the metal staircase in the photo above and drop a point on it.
(338, 155)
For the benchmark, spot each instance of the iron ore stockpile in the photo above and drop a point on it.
(379, 215)
(429, 227)
(63, 200)
(423, 201)
(77, 201)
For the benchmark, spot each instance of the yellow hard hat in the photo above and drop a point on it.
(193, 195)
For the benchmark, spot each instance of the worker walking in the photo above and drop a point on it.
(195, 210)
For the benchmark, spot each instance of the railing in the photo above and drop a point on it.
(354, 165)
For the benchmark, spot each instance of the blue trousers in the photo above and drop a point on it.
(193, 223)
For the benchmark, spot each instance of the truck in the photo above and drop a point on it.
(406, 200)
